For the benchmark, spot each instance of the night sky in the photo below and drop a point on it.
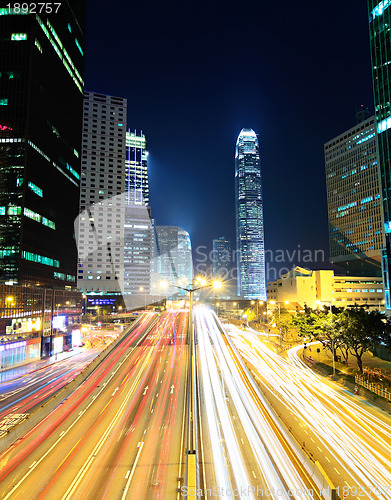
(196, 73)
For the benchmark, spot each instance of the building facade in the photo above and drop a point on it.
(102, 194)
(354, 200)
(302, 287)
(221, 258)
(174, 258)
(380, 43)
(249, 218)
(41, 90)
(137, 185)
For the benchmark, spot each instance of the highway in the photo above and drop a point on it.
(350, 439)
(120, 434)
(241, 446)
(23, 394)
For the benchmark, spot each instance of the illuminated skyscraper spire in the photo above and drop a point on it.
(249, 218)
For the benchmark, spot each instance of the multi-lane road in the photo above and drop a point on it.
(117, 435)
(123, 432)
(241, 446)
(28, 391)
(351, 439)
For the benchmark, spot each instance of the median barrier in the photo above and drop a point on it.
(39, 414)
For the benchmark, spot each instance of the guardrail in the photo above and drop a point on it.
(375, 388)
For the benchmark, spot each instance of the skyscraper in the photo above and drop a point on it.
(222, 258)
(174, 260)
(379, 30)
(103, 184)
(41, 90)
(249, 218)
(354, 200)
(138, 227)
(137, 186)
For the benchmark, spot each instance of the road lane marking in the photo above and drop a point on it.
(127, 474)
(327, 458)
(255, 477)
(32, 465)
(337, 471)
(132, 472)
(347, 484)
(320, 449)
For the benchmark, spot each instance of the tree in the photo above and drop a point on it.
(251, 315)
(360, 331)
(284, 322)
(322, 325)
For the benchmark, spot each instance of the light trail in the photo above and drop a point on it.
(221, 374)
(353, 436)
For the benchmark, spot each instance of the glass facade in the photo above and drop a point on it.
(354, 200)
(174, 258)
(137, 186)
(221, 257)
(379, 30)
(249, 218)
(40, 133)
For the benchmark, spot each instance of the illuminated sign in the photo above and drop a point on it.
(101, 302)
(59, 321)
(5, 127)
(15, 345)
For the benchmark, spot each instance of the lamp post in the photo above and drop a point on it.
(332, 340)
(198, 284)
(274, 302)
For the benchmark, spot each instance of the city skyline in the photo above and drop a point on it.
(193, 107)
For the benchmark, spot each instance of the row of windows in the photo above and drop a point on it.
(40, 259)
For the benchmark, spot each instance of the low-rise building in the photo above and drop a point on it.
(300, 287)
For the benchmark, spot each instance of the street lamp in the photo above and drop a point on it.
(198, 284)
(274, 302)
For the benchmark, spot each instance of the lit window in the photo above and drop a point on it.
(3, 102)
(19, 36)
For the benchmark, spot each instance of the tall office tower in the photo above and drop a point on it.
(221, 257)
(102, 194)
(174, 261)
(249, 218)
(138, 246)
(354, 200)
(379, 30)
(137, 186)
(41, 89)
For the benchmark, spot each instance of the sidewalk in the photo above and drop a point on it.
(325, 357)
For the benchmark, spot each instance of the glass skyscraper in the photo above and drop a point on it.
(221, 258)
(41, 92)
(137, 187)
(354, 200)
(249, 218)
(379, 30)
